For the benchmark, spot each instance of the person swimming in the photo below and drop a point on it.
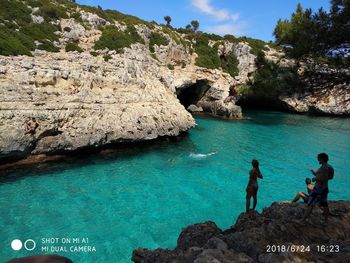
(304, 196)
(202, 155)
(252, 187)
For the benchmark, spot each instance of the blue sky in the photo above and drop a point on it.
(253, 18)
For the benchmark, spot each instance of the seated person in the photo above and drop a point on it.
(304, 196)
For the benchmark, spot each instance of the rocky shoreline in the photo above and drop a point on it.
(272, 236)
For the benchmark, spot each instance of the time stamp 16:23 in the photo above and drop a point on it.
(302, 248)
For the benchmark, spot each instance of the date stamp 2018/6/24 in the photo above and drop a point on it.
(302, 248)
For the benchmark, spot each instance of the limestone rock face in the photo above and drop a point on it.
(93, 19)
(249, 238)
(193, 108)
(78, 101)
(327, 90)
(72, 31)
(246, 59)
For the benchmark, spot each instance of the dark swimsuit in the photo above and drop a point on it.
(318, 196)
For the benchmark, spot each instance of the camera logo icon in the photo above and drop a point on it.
(28, 245)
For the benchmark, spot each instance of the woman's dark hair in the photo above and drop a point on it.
(308, 181)
(323, 156)
(255, 163)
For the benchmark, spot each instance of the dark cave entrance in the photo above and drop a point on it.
(262, 103)
(191, 93)
(256, 103)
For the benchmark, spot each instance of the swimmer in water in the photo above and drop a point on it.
(202, 155)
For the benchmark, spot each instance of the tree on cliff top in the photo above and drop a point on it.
(195, 25)
(308, 33)
(167, 20)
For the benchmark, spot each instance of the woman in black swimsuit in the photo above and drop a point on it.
(252, 187)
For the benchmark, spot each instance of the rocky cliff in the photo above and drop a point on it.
(272, 236)
(326, 90)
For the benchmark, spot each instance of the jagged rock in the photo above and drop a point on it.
(193, 108)
(249, 238)
(197, 235)
(72, 31)
(93, 19)
(37, 19)
(41, 259)
(326, 90)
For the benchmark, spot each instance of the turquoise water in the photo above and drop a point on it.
(143, 197)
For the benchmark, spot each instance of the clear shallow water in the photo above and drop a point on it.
(144, 197)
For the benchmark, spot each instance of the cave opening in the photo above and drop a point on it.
(261, 103)
(191, 93)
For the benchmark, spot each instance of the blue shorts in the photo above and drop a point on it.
(318, 196)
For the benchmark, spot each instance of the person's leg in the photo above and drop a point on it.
(255, 197)
(297, 197)
(304, 197)
(247, 204)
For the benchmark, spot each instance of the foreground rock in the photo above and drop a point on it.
(41, 259)
(249, 239)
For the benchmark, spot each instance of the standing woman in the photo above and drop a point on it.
(252, 187)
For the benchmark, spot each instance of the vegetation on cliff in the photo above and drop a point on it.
(314, 33)
(115, 39)
(157, 39)
(271, 81)
(33, 24)
(18, 33)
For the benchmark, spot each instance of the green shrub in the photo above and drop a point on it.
(94, 53)
(229, 64)
(154, 56)
(51, 11)
(157, 39)
(77, 17)
(14, 10)
(107, 57)
(40, 31)
(13, 44)
(113, 39)
(257, 45)
(230, 38)
(73, 46)
(48, 46)
(126, 19)
(272, 81)
(244, 90)
(207, 56)
(67, 29)
(170, 66)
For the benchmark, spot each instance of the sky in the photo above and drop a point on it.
(252, 18)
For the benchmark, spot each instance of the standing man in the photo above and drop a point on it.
(252, 187)
(319, 194)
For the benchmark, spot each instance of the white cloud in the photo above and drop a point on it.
(206, 7)
(230, 22)
(223, 29)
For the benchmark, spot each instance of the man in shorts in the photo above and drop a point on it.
(319, 194)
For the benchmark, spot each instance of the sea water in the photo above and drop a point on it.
(145, 196)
